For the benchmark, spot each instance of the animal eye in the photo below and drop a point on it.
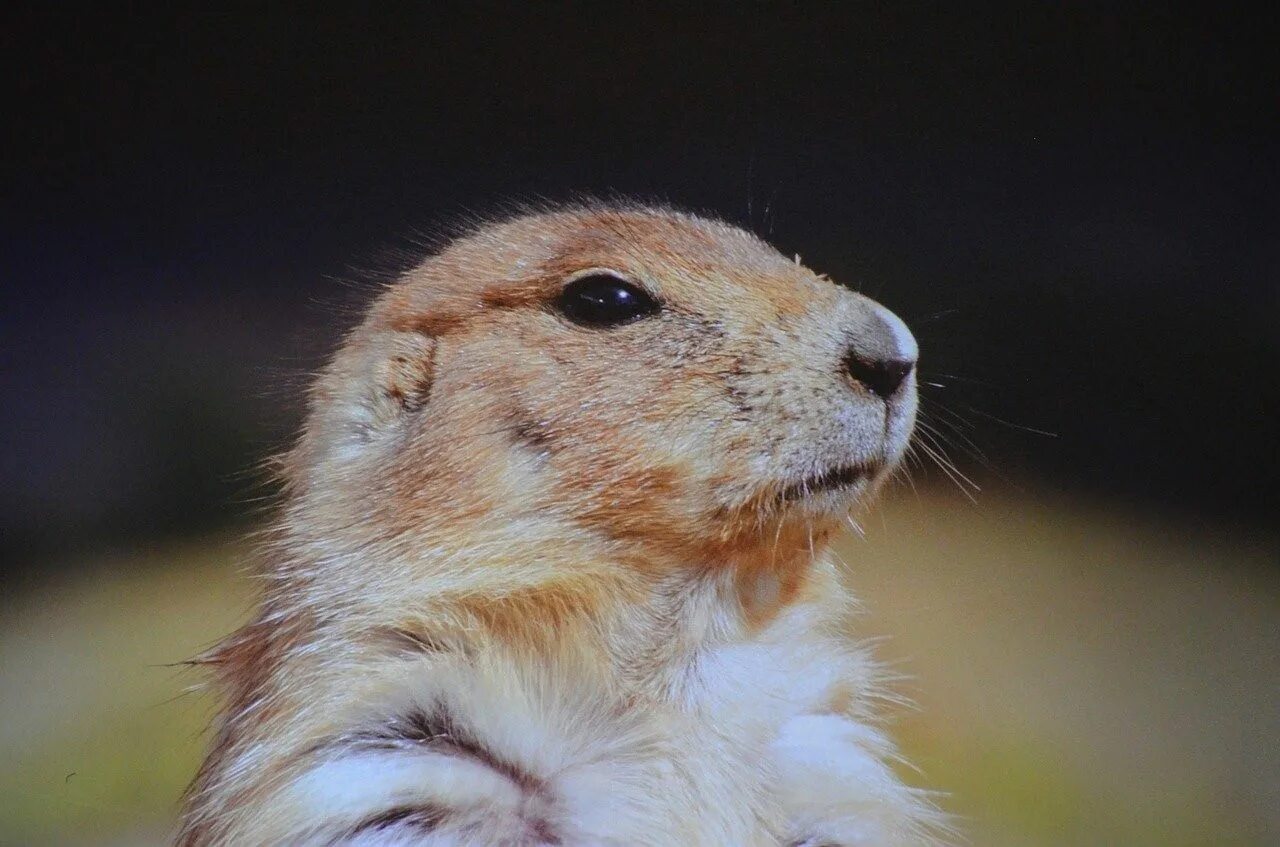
(604, 300)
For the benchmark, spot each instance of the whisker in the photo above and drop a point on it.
(940, 443)
(910, 459)
(960, 486)
(777, 536)
(960, 419)
(959, 378)
(962, 482)
(967, 444)
(1030, 429)
(924, 319)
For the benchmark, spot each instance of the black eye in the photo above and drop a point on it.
(604, 300)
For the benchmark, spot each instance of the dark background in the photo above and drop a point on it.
(1076, 210)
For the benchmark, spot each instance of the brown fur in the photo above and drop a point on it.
(478, 476)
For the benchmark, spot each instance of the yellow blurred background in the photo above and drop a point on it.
(1082, 675)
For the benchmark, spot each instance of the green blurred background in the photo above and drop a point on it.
(1075, 209)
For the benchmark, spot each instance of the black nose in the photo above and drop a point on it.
(882, 377)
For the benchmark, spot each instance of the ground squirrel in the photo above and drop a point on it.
(551, 566)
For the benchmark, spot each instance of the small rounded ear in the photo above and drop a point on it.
(372, 386)
(402, 376)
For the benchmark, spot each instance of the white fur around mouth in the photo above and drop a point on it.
(833, 479)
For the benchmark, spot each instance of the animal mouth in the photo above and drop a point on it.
(833, 479)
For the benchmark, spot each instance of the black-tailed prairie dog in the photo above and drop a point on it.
(552, 568)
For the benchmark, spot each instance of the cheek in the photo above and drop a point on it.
(657, 459)
(632, 434)
(648, 465)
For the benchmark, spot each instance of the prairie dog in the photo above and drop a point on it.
(551, 567)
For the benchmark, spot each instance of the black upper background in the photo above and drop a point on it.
(1076, 211)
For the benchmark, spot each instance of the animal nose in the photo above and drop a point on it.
(882, 377)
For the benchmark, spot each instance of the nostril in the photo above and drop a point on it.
(882, 377)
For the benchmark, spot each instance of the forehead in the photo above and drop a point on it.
(680, 257)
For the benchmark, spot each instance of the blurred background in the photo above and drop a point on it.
(1075, 209)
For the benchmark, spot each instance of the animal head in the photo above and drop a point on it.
(602, 384)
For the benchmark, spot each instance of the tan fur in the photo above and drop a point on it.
(583, 559)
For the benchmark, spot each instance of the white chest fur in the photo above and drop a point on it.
(765, 742)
